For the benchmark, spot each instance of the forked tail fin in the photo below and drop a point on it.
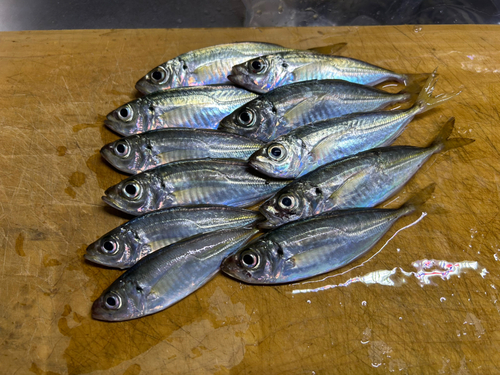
(418, 200)
(442, 142)
(425, 101)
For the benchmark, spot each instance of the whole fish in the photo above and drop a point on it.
(288, 107)
(265, 73)
(362, 180)
(126, 245)
(313, 246)
(140, 152)
(184, 107)
(209, 65)
(168, 275)
(191, 182)
(311, 146)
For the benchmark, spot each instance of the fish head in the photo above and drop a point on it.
(118, 248)
(261, 74)
(282, 158)
(134, 195)
(129, 119)
(129, 155)
(257, 120)
(123, 300)
(291, 203)
(166, 76)
(260, 262)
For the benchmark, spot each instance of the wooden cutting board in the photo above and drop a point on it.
(55, 88)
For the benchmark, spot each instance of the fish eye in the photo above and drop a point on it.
(287, 201)
(125, 113)
(276, 152)
(132, 190)
(249, 259)
(246, 117)
(112, 301)
(158, 75)
(257, 65)
(122, 149)
(109, 247)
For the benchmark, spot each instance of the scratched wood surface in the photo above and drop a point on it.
(55, 88)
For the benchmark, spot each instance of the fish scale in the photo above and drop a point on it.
(191, 107)
(284, 68)
(205, 66)
(362, 180)
(215, 181)
(168, 275)
(148, 233)
(313, 246)
(286, 108)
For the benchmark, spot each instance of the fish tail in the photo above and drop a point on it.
(425, 101)
(442, 142)
(330, 49)
(414, 203)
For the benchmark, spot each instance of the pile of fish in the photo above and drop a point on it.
(304, 132)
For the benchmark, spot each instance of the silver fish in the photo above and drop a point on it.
(362, 180)
(141, 152)
(265, 73)
(168, 275)
(313, 246)
(204, 66)
(306, 148)
(288, 107)
(190, 182)
(126, 245)
(184, 107)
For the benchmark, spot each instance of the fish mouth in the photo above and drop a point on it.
(271, 220)
(259, 162)
(144, 86)
(112, 125)
(111, 202)
(244, 80)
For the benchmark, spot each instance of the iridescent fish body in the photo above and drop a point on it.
(168, 275)
(204, 66)
(362, 180)
(311, 146)
(191, 182)
(185, 107)
(141, 152)
(289, 107)
(316, 245)
(126, 245)
(265, 73)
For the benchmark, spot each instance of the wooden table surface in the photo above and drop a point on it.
(55, 88)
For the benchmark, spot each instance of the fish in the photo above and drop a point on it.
(288, 107)
(209, 65)
(362, 180)
(310, 146)
(192, 182)
(126, 245)
(185, 107)
(166, 276)
(141, 152)
(265, 73)
(313, 246)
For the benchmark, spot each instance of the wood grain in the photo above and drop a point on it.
(55, 88)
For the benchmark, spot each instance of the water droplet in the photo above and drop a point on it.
(417, 29)
(308, 301)
(363, 303)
